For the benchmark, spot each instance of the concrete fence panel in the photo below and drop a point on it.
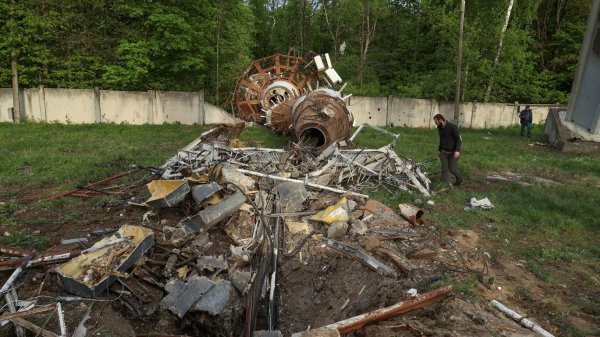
(34, 104)
(124, 106)
(489, 115)
(446, 109)
(172, 106)
(540, 114)
(410, 112)
(371, 110)
(6, 104)
(216, 115)
(157, 107)
(70, 105)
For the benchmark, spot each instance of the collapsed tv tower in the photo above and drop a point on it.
(277, 91)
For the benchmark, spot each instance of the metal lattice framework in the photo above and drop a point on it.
(267, 89)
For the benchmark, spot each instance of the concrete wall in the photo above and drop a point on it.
(216, 115)
(5, 104)
(409, 112)
(93, 106)
(131, 107)
(372, 110)
(157, 107)
(418, 113)
(69, 105)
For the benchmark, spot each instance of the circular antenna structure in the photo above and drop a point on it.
(268, 88)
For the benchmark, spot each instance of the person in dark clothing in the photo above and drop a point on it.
(449, 148)
(526, 116)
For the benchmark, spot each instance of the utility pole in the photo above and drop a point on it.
(459, 63)
(15, 89)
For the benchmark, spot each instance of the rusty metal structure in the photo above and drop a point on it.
(277, 91)
(267, 89)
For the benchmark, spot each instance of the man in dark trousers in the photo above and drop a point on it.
(526, 116)
(449, 148)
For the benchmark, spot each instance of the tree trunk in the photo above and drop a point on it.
(334, 36)
(15, 89)
(488, 90)
(367, 33)
(459, 63)
(218, 50)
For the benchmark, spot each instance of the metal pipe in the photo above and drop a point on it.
(305, 182)
(275, 249)
(61, 320)
(357, 322)
(521, 319)
(15, 274)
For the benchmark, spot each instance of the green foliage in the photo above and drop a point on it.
(191, 45)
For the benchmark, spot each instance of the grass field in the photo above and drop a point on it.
(549, 217)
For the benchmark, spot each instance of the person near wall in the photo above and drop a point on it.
(449, 148)
(526, 117)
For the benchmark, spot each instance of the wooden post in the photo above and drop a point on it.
(15, 88)
(459, 63)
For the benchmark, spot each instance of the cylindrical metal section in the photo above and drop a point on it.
(320, 119)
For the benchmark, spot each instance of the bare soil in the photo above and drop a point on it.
(319, 285)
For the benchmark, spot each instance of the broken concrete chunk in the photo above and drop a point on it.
(215, 299)
(350, 205)
(359, 227)
(167, 193)
(337, 230)
(214, 214)
(239, 227)
(333, 213)
(239, 255)
(201, 241)
(240, 280)
(294, 227)
(231, 175)
(204, 191)
(290, 196)
(212, 263)
(182, 298)
(174, 289)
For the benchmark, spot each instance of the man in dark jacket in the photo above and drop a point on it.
(449, 148)
(526, 116)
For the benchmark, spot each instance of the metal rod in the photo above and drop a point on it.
(305, 182)
(61, 320)
(520, 319)
(357, 322)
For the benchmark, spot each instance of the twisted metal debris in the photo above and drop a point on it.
(337, 169)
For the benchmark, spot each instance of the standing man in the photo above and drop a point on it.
(449, 148)
(526, 117)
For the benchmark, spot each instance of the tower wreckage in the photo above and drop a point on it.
(296, 97)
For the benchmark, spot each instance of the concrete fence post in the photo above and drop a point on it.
(201, 112)
(42, 103)
(152, 107)
(387, 110)
(97, 108)
(514, 118)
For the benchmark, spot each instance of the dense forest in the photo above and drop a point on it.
(405, 48)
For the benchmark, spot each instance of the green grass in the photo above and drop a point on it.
(25, 240)
(34, 154)
(554, 227)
